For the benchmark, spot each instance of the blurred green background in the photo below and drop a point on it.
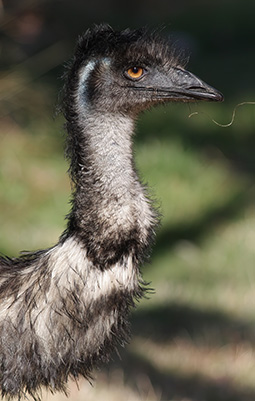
(194, 339)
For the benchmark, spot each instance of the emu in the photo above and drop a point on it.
(63, 310)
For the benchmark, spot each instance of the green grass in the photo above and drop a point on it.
(194, 338)
(34, 188)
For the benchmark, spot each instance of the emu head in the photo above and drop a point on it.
(128, 72)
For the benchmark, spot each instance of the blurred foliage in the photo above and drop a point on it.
(194, 339)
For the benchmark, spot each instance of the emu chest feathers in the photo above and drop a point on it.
(64, 309)
(64, 317)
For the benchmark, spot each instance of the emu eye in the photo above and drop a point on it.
(135, 72)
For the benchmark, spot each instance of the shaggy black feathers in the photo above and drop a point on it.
(126, 47)
(59, 317)
(65, 309)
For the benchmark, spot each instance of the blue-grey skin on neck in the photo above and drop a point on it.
(64, 310)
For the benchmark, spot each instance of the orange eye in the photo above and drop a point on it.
(135, 72)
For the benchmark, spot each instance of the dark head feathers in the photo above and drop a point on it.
(138, 46)
(109, 90)
(125, 48)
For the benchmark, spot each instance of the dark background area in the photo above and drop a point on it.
(219, 35)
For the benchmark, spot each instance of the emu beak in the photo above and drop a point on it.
(182, 85)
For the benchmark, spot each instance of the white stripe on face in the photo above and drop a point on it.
(84, 75)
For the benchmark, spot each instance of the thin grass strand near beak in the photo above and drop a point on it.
(216, 122)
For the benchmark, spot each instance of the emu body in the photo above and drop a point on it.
(64, 309)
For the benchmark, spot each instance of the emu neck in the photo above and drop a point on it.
(107, 154)
(111, 214)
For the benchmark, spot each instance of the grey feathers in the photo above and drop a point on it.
(63, 310)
